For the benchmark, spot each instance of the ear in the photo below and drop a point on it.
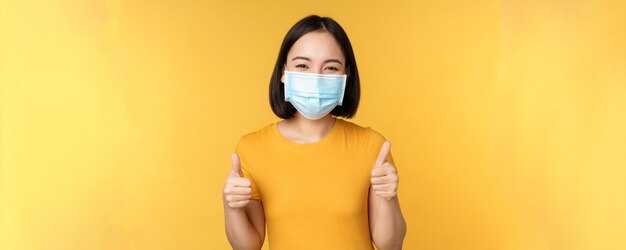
(348, 71)
(282, 74)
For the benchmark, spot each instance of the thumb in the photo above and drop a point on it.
(382, 156)
(236, 165)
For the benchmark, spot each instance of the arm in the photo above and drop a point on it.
(245, 227)
(244, 218)
(387, 224)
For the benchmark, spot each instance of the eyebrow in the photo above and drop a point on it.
(308, 59)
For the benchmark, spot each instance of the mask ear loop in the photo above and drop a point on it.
(343, 89)
(286, 86)
(285, 82)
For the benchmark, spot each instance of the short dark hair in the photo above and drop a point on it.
(284, 109)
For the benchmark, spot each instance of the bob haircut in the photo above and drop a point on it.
(284, 109)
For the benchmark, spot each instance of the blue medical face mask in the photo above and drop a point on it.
(314, 95)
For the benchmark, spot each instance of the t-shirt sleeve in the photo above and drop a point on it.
(375, 143)
(242, 152)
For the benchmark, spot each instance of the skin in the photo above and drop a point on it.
(315, 52)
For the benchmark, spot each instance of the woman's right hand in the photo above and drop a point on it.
(237, 190)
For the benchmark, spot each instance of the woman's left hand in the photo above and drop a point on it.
(384, 175)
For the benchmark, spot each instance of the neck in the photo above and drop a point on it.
(308, 131)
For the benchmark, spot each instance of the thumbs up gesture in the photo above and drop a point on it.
(237, 190)
(384, 175)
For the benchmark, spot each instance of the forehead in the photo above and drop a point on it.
(316, 45)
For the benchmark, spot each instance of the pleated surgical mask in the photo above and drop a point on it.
(314, 95)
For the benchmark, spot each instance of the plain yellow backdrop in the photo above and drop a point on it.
(118, 117)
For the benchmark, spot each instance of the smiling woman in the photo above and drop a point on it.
(117, 118)
(319, 182)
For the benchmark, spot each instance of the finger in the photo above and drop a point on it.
(237, 190)
(232, 174)
(236, 204)
(238, 181)
(384, 179)
(378, 171)
(236, 164)
(382, 171)
(386, 187)
(382, 155)
(238, 197)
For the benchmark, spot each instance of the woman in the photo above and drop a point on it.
(320, 182)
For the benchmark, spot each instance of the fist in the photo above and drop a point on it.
(237, 189)
(384, 175)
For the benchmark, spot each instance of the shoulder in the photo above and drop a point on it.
(369, 141)
(367, 135)
(254, 138)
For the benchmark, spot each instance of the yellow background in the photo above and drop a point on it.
(507, 118)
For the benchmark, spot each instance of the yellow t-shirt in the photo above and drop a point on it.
(315, 196)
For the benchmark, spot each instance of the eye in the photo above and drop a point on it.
(303, 66)
(331, 68)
